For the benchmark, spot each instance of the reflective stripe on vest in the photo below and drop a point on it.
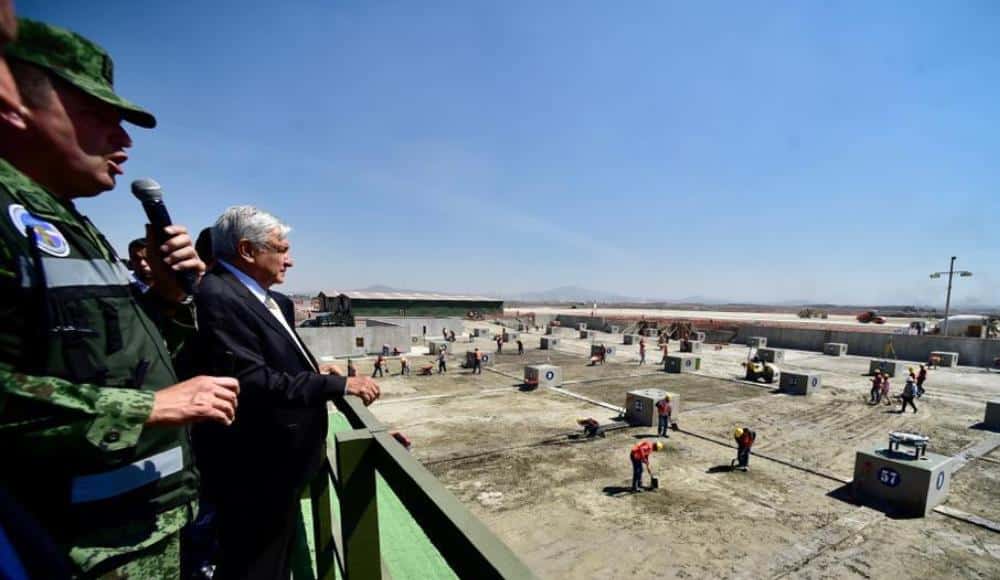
(100, 486)
(65, 272)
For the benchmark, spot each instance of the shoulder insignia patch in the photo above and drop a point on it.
(48, 238)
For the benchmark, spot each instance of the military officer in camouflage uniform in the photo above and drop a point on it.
(91, 414)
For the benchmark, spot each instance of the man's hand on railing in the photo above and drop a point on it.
(363, 387)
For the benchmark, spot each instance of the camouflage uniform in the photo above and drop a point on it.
(79, 363)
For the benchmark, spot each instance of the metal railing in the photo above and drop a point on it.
(469, 548)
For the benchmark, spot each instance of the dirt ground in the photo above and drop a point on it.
(562, 503)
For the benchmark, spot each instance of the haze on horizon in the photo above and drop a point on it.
(825, 152)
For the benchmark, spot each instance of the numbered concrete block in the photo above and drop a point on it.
(992, 419)
(584, 334)
(609, 350)
(436, 346)
(800, 383)
(640, 406)
(522, 327)
(549, 342)
(630, 339)
(891, 367)
(581, 326)
(650, 332)
(771, 355)
(511, 336)
(835, 348)
(691, 346)
(543, 376)
(698, 335)
(682, 363)
(947, 359)
(482, 332)
(757, 341)
(908, 485)
(487, 359)
(549, 330)
(615, 329)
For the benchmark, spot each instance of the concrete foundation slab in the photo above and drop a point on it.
(835, 348)
(992, 419)
(757, 341)
(771, 355)
(891, 367)
(640, 406)
(682, 363)
(548, 342)
(691, 346)
(912, 486)
(945, 359)
(800, 383)
(543, 375)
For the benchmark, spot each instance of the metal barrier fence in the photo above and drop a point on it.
(463, 541)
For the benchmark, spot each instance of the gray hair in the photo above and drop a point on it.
(244, 222)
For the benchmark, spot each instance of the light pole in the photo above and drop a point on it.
(947, 301)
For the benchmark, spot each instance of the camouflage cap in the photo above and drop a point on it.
(77, 61)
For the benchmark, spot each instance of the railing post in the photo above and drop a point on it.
(319, 494)
(358, 505)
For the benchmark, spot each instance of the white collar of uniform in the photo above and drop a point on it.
(247, 281)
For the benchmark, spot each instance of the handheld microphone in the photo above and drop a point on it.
(151, 195)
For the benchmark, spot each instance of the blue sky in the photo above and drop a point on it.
(765, 151)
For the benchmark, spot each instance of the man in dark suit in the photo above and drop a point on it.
(256, 469)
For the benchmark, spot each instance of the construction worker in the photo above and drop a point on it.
(352, 371)
(640, 456)
(876, 391)
(442, 362)
(404, 366)
(664, 359)
(642, 351)
(477, 362)
(591, 427)
(664, 409)
(379, 364)
(499, 344)
(921, 378)
(520, 347)
(909, 392)
(886, 386)
(745, 438)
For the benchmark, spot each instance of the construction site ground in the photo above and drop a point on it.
(561, 502)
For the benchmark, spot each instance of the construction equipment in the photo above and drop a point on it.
(758, 369)
(870, 316)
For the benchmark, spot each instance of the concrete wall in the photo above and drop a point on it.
(972, 351)
(416, 325)
(339, 341)
(593, 322)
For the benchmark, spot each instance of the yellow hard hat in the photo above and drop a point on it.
(738, 432)
(658, 446)
(910, 369)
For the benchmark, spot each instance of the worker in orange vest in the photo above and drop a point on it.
(745, 438)
(640, 456)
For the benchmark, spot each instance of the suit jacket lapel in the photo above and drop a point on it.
(255, 305)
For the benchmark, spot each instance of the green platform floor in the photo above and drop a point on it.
(406, 550)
